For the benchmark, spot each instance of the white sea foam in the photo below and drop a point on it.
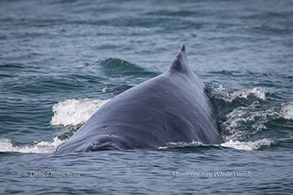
(257, 119)
(287, 111)
(229, 96)
(40, 147)
(243, 116)
(249, 145)
(239, 145)
(74, 112)
(181, 144)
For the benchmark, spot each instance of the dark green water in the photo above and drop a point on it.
(61, 60)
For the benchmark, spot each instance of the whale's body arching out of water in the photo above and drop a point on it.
(171, 107)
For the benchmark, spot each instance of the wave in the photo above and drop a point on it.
(247, 115)
(183, 145)
(231, 95)
(6, 145)
(10, 66)
(287, 111)
(238, 111)
(115, 67)
(249, 145)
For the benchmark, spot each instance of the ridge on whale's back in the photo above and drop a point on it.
(171, 107)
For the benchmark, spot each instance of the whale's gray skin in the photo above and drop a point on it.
(171, 107)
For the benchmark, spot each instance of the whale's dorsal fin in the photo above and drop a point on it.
(180, 63)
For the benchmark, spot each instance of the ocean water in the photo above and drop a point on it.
(61, 60)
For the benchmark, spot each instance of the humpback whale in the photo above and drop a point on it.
(172, 107)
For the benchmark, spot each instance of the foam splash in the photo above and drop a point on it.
(250, 145)
(256, 119)
(239, 119)
(74, 112)
(287, 111)
(182, 144)
(239, 145)
(40, 147)
(229, 96)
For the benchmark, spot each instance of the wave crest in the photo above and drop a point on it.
(249, 145)
(6, 145)
(231, 95)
